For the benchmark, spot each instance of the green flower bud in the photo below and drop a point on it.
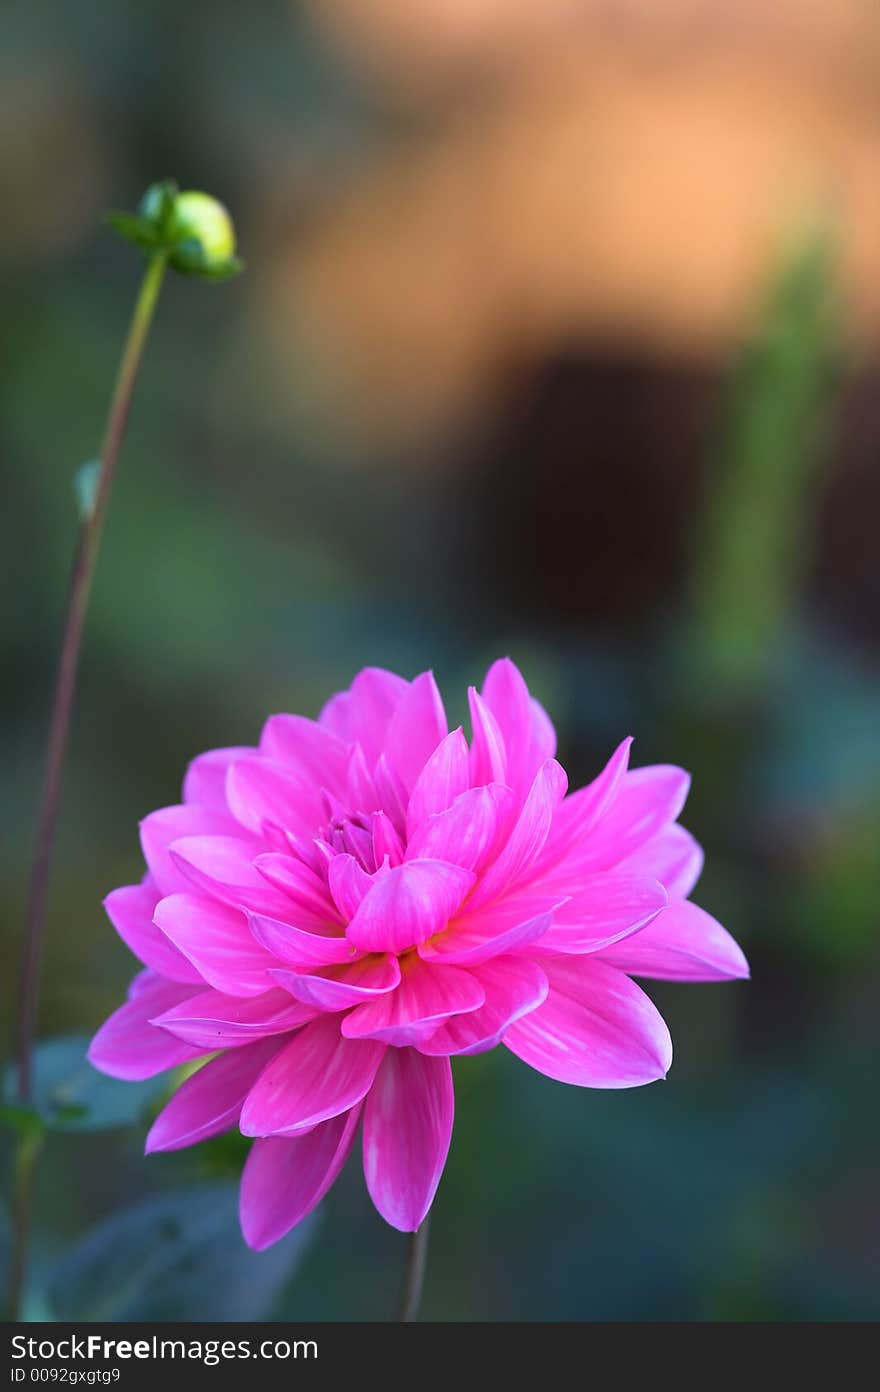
(192, 228)
(197, 217)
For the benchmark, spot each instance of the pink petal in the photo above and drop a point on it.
(609, 907)
(314, 753)
(478, 937)
(159, 829)
(336, 716)
(514, 986)
(672, 856)
(488, 755)
(217, 940)
(223, 866)
(210, 1101)
(361, 788)
(443, 779)
(337, 988)
(285, 1178)
(426, 996)
(595, 1029)
(683, 944)
(130, 910)
(298, 947)
(211, 1020)
(581, 810)
(311, 907)
(128, 1046)
(205, 779)
(528, 836)
(528, 734)
(647, 800)
(263, 790)
(387, 845)
(349, 884)
(408, 905)
(418, 726)
(391, 791)
(466, 833)
(375, 695)
(318, 1075)
(407, 1130)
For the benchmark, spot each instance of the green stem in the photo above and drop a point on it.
(59, 723)
(413, 1274)
(27, 1151)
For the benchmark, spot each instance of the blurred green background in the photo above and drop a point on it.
(426, 428)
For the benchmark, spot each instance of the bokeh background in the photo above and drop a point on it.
(559, 338)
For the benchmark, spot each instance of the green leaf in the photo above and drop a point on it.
(70, 1095)
(175, 1256)
(139, 230)
(25, 1120)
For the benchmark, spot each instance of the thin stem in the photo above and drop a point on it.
(413, 1274)
(62, 705)
(29, 1146)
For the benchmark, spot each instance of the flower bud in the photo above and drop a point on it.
(193, 229)
(197, 217)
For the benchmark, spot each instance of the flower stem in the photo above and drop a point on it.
(59, 723)
(413, 1274)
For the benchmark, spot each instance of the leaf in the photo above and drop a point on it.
(176, 1256)
(139, 230)
(70, 1095)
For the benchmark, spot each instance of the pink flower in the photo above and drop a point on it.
(336, 912)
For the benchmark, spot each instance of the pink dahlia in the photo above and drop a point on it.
(331, 916)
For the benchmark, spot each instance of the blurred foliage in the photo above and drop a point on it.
(772, 436)
(248, 567)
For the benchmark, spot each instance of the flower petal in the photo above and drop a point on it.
(595, 1029)
(349, 883)
(296, 946)
(337, 988)
(130, 910)
(264, 790)
(528, 734)
(683, 943)
(648, 799)
(443, 778)
(217, 940)
(311, 906)
(581, 810)
(311, 751)
(528, 836)
(418, 726)
(488, 755)
(169, 824)
(210, 1101)
(466, 833)
(609, 907)
(387, 845)
(408, 904)
(407, 1130)
(373, 700)
(514, 986)
(318, 1075)
(205, 779)
(128, 1045)
(478, 937)
(223, 866)
(426, 996)
(284, 1178)
(672, 856)
(212, 1021)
